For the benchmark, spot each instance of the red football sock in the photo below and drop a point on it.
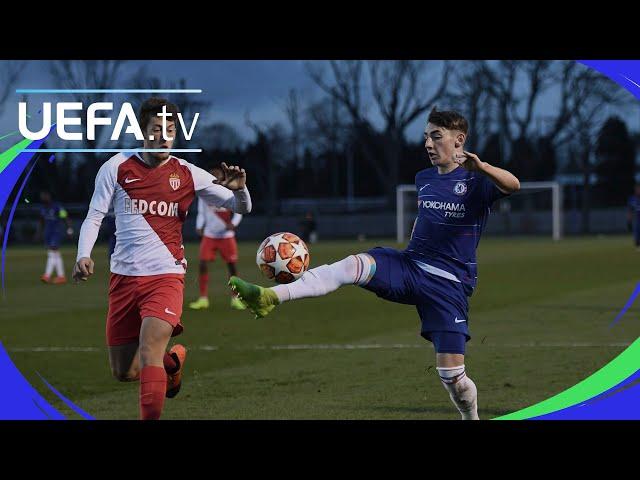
(203, 281)
(170, 364)
(153, 386)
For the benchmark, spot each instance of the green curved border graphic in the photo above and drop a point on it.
(8, 156)
(616, 371)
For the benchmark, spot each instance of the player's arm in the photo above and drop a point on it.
(234, 178)
(83, 268)
(233, 222)
(98, 208)
(503, 179)
(229, 192)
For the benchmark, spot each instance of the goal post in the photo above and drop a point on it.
(554, 188)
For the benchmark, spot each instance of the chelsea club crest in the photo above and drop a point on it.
(460, 188)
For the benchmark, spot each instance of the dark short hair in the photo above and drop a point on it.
(152, 107)
(449, 119)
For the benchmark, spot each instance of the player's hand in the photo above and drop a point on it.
(469, 161)
(200, 231)
(234, 177)
(70, 232)
(230, 226)
(83, 269)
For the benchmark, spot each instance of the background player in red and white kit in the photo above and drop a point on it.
(151, 193)
(217, 228)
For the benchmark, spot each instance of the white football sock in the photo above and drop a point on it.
(353, 270)
(59, 265)
(462, 390)
(50, 263)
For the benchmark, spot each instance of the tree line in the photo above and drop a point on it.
(348, 137)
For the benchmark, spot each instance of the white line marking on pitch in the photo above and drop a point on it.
(340, 346)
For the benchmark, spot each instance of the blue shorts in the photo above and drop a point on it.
(52, 238)
(442, 304)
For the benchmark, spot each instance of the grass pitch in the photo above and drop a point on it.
(540, 320)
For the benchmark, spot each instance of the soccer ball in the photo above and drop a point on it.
(283, 257)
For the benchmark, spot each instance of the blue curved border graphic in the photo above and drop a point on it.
(20, 400)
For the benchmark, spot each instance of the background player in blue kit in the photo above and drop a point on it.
(437, 272)
(633, 215)
(52, 218)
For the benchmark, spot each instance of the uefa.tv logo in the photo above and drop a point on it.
(69, 114)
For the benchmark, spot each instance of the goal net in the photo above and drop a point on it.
(535, 210)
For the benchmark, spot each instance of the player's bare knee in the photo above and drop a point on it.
(154, 333)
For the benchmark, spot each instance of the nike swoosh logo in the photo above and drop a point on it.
(166, 310)
(459, 320)
(424, 187)
(131, 180)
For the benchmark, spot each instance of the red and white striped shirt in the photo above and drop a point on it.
(151, 205)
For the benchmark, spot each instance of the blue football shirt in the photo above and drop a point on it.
(452, 212)
(52, 215)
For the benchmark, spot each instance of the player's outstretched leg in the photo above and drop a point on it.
(258, 299)
(462, 391)
(353, 270)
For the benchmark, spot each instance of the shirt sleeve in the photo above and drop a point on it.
(200, 217)
(238, 201)
(490, 192)
(89, 233)
(236, 219)
(104, 188)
